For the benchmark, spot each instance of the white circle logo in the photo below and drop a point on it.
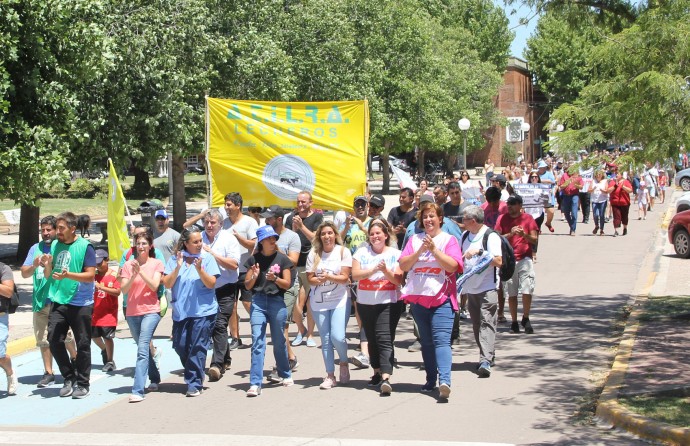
(286, 175)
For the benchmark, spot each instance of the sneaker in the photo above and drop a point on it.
(214, 373)
(80, 392)
(528, 326)
(104, 357)
(502, 319)
(293, 364)
(136, 398)
(415, 347)
(108, 367)
(227, 365)
(360, 361)
(515, 327)
(375, 380)
(287, 382)
(428, 387)
(464, 314)
(12, 384)
(328, 383)
(153, 387)
(48, 379)
(484, 370)
(311, 342)
(273, 377)
(625, 231)
(234, 344)
(386, 387)
(344, 373)
(67, 388)
(193, 393)
(298, 339)
(254, 391)
(444, 391)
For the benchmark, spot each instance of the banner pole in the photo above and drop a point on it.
(208, 165)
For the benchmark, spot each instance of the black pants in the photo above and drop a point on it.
(585, 203)
(380, 322)
(63, 317)
(225, 295)
(455, 332)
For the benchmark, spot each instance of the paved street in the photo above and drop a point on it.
(538, 392)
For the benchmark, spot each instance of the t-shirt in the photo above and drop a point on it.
(451, 210)
(491, 213)
(128, 255)
(329, 295)
(225, 244)
(599, 194)
(396, 217)
(521, 246)
(288, 242)
(41, 284)
(355, 236)
(166, 243)
(5, 273)
(104, 304)
(246, 227)
(376, 289)
(619, 197)
(190, 297)
(140, 298)
(261, 284)
(487, 280)
(573, 187)
(74, 257)
(448, 226)
(311, 222)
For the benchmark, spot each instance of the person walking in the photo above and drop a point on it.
(570, 186)
(619, 196)
(7, 288)
(599, 191)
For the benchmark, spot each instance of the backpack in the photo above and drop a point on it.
(507, 254)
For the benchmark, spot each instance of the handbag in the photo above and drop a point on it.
(10, 305)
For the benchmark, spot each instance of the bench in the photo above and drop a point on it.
(12, 216)
(478, 171)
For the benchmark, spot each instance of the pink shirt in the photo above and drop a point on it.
(141, 299)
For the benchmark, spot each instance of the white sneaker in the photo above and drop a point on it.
(12, 384)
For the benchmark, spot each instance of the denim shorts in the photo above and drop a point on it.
(4, 333)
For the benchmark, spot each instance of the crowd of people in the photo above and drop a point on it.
(450, 251)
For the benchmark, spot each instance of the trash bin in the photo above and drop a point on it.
(148, 209)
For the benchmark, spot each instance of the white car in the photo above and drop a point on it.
(683, 203)
(683, 179)
(376, 165)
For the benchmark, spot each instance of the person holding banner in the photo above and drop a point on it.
(432, 260)
(547, 177)
(328, 271)
(472, 191)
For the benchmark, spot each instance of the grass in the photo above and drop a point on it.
(665, 307)
(673, 410)
(195, 190)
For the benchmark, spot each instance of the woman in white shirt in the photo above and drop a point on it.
(599, 188)
(328, 271)
(375, 267)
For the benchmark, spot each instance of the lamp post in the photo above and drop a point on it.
(525, 128)
(464, 125)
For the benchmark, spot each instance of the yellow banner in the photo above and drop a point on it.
(118, 240)
(270, 151)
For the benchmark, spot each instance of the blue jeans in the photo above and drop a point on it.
(142, 328)
(599, 211)
(435, 325)
(271, 310)
(331, 325)
(191, 341)
(569, 205)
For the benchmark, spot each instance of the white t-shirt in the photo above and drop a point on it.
(486, 280)
(246, 227)
(224, 244)
(329, 295)
(376, 289)
(598, 194)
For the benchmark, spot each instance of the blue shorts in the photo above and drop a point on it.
(4, 334)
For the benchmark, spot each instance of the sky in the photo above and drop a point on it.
(522, 32)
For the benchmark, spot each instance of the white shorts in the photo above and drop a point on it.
(522, 281)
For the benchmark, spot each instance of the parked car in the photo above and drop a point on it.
(376, 165)
(683, 179)
(683, 203)
(679, 234)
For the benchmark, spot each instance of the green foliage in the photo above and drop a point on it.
(85, 188)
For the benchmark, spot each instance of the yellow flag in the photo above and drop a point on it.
(118, 239)
(270, 151)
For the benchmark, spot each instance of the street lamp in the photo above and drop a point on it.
(525, 128)
(464, 125)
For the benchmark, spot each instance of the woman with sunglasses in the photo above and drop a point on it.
(191, 275)
(471, 190)
(375, 267)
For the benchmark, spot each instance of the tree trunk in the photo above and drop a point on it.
(451, 160)
(420, 163)
(385, 188)
(179, 198)
(141, 179)
(28, 234)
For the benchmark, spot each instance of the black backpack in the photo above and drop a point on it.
(507, 254)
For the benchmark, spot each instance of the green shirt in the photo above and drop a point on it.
(71, 258)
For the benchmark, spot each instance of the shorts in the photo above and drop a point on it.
(290, 298)
(244, 294)
(303, 281)
(522, 281)
(103, 332)
(4, 333)
(40, 320)
(652, 191)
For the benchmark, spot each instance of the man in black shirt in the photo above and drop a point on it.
(401, 216)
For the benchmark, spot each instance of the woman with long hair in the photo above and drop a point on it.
(431, 260)
(328, 271)
(599, 189)
(375, 268)
(191, 275)
(141, 277)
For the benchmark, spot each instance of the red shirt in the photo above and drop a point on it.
(491, 214)
(521, 246)
(104, 304)
(619, 197)
(574, 187)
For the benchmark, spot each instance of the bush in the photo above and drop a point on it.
(83, 188)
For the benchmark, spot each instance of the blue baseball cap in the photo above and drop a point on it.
(264, 232)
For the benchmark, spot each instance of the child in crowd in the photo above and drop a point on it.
(104, 319)
(642, 201)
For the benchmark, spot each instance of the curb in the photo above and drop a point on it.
(19, 346)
